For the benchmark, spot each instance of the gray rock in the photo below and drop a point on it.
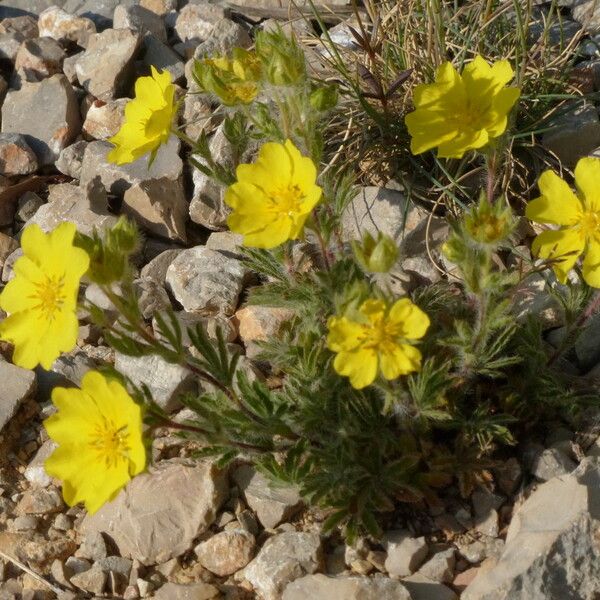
(99, 11)
(35, 472)
(40, 501)
(532, 297)
(323, 587)
(190, 591)
(283, 558)
(551, 463)
(161, 56)
(404, 553)
(25, 523)
(46, 113)
(271, 504)
(29, 203)
(198, 114)
(93, 547)
(16, 157)
(93, 580)
(104, 119)
(423, 588)
(206, 281)
(70, 159)
(207, 206)
(226, 552)
(587, 346)
(440, 567)
(197, 20)
(9, 261)
(87, 207)
(225, 36)
(39, 58)
(156, 269)
(166, 381)
(62, 26)
(115, 564)
(9, 46)
(160, 7)
(152, 297)
(152, 526)
(140, 19)
(25, 25)
(17, 385)
(105, 69)
(587, 12)
(551, 550)
(159, 206)
(574, 134)
(117, 179)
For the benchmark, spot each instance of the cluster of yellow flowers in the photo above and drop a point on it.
(99, 428)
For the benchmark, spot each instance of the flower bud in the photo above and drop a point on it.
(489, 223)
(324, 98)
(375, 255)
(282, 59)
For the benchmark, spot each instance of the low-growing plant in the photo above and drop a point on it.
(368, 398)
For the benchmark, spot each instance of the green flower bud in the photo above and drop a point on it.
(489, 223)
(375, 255)
(282, 58)
(324, 98)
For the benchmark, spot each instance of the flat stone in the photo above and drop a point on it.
(116, 179)
(283, 558)
(105, 70)
(261, 323)
(92, 580)
(140, 19)
(152, 526)
(87, 207)
(70, 159)
(190, 591)
(166, 381)
(197, 20)
(324, 587)
(206, 281)
(225, 36)
(226, 552)
(104, 119)
(272, 504)
(62, 26)
(40, 501)
(17, 386)
(405, 553)
(423, 588)
(161, 56)
(156, 269)
(159, 206)
(39, 58)
(440, 567)
(46, 114)
(16, 157)
(552, 463)
(551, 549)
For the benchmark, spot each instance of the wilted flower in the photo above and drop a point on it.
(42, 297)
(577, 215)
(148, 119)
(233, 80)
(98, 429)
(375, 339)
(464, 112)
(273, 197)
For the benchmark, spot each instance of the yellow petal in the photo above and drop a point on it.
(413, 320)
(344, 335)
(273, 234)
(557, 205)
(360, 366)
(563, 247)
(587, 180)
(35, 243)
(19, 294)
(401, 360)
(277, 162)
(591, 264)
(22, 330)
(463, 142)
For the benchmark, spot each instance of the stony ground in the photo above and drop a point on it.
(66, 73)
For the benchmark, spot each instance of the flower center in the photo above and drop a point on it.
(381, 335)
(110, 442)
(50, 294)
(287, 200)
(590, 223)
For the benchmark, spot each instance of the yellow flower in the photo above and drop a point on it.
(377, 340)
(464, 112)
(42, 297)
(148, 119)
(233, 80)
(578, 215)
(98, 430)
(273, 197)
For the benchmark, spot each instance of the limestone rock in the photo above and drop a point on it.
(152, 526)
(272, 504)
(9, 46)
(191, 591)
(283, 558)
(46, 113)
(197, 20)
(70, 159)
(7, 246)
(551, 547)
(323, 587)
(260, 323)
(92, 581)
(17, 385)
(86, 207)
(39, 58)
(164, 380)
(405, 553)
(226, 552)
(587, 12)
(206, 281)
(62, 26)
(40, 501)
(104, 119)
(16, 157)
(423, 588)
(159, 55)
(156, 269)
(140, 19)
(551, 463)
(105, 69)
(116, 179)
(440, 567)
(35, 472)
(25, 25)
(159, 206)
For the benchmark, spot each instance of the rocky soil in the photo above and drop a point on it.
(532, 532)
